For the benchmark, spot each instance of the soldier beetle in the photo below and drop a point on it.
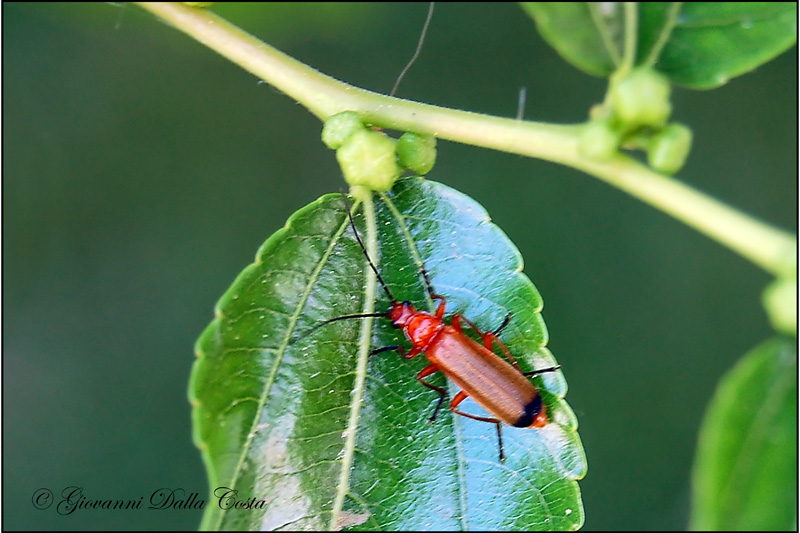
(500, 387)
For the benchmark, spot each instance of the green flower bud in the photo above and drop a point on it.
(417, 152)
(642, 98)
(669, 148)
(780, 301)
(339, 127)
(598, 140)
(368, 158)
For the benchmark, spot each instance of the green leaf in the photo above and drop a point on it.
(587, 34)
(700, 45)
(745, 473)
(324, 436)
(711, 42)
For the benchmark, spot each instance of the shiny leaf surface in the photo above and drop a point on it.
(317, 434)
(587, 34)
(745, 474)
(713, 42)
(700, 45)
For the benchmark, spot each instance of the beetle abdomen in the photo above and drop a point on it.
(488, 379)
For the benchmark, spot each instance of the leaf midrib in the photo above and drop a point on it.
(364, 345)
(743, 464)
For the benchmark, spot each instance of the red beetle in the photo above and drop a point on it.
(498, 386)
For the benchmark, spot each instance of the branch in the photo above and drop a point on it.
(769, 247)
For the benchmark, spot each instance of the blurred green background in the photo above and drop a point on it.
(142, 171)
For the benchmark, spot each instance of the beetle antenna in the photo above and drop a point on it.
(345, 317)
(428, 284)
(364, 249)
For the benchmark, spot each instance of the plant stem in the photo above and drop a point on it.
(769, 247)
(631, 37)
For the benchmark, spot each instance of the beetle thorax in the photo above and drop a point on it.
(401, 313)
(422, 328)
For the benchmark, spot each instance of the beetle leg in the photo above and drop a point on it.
(490, 336)
(534, 373)
(427, 371)
(502, 326)
(415, 351)
(460, 397)
(393, 348)
(440, 307)
(458, 318)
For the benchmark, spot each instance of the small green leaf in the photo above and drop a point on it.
(745, 473)
(324, 436)
(700, 45)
